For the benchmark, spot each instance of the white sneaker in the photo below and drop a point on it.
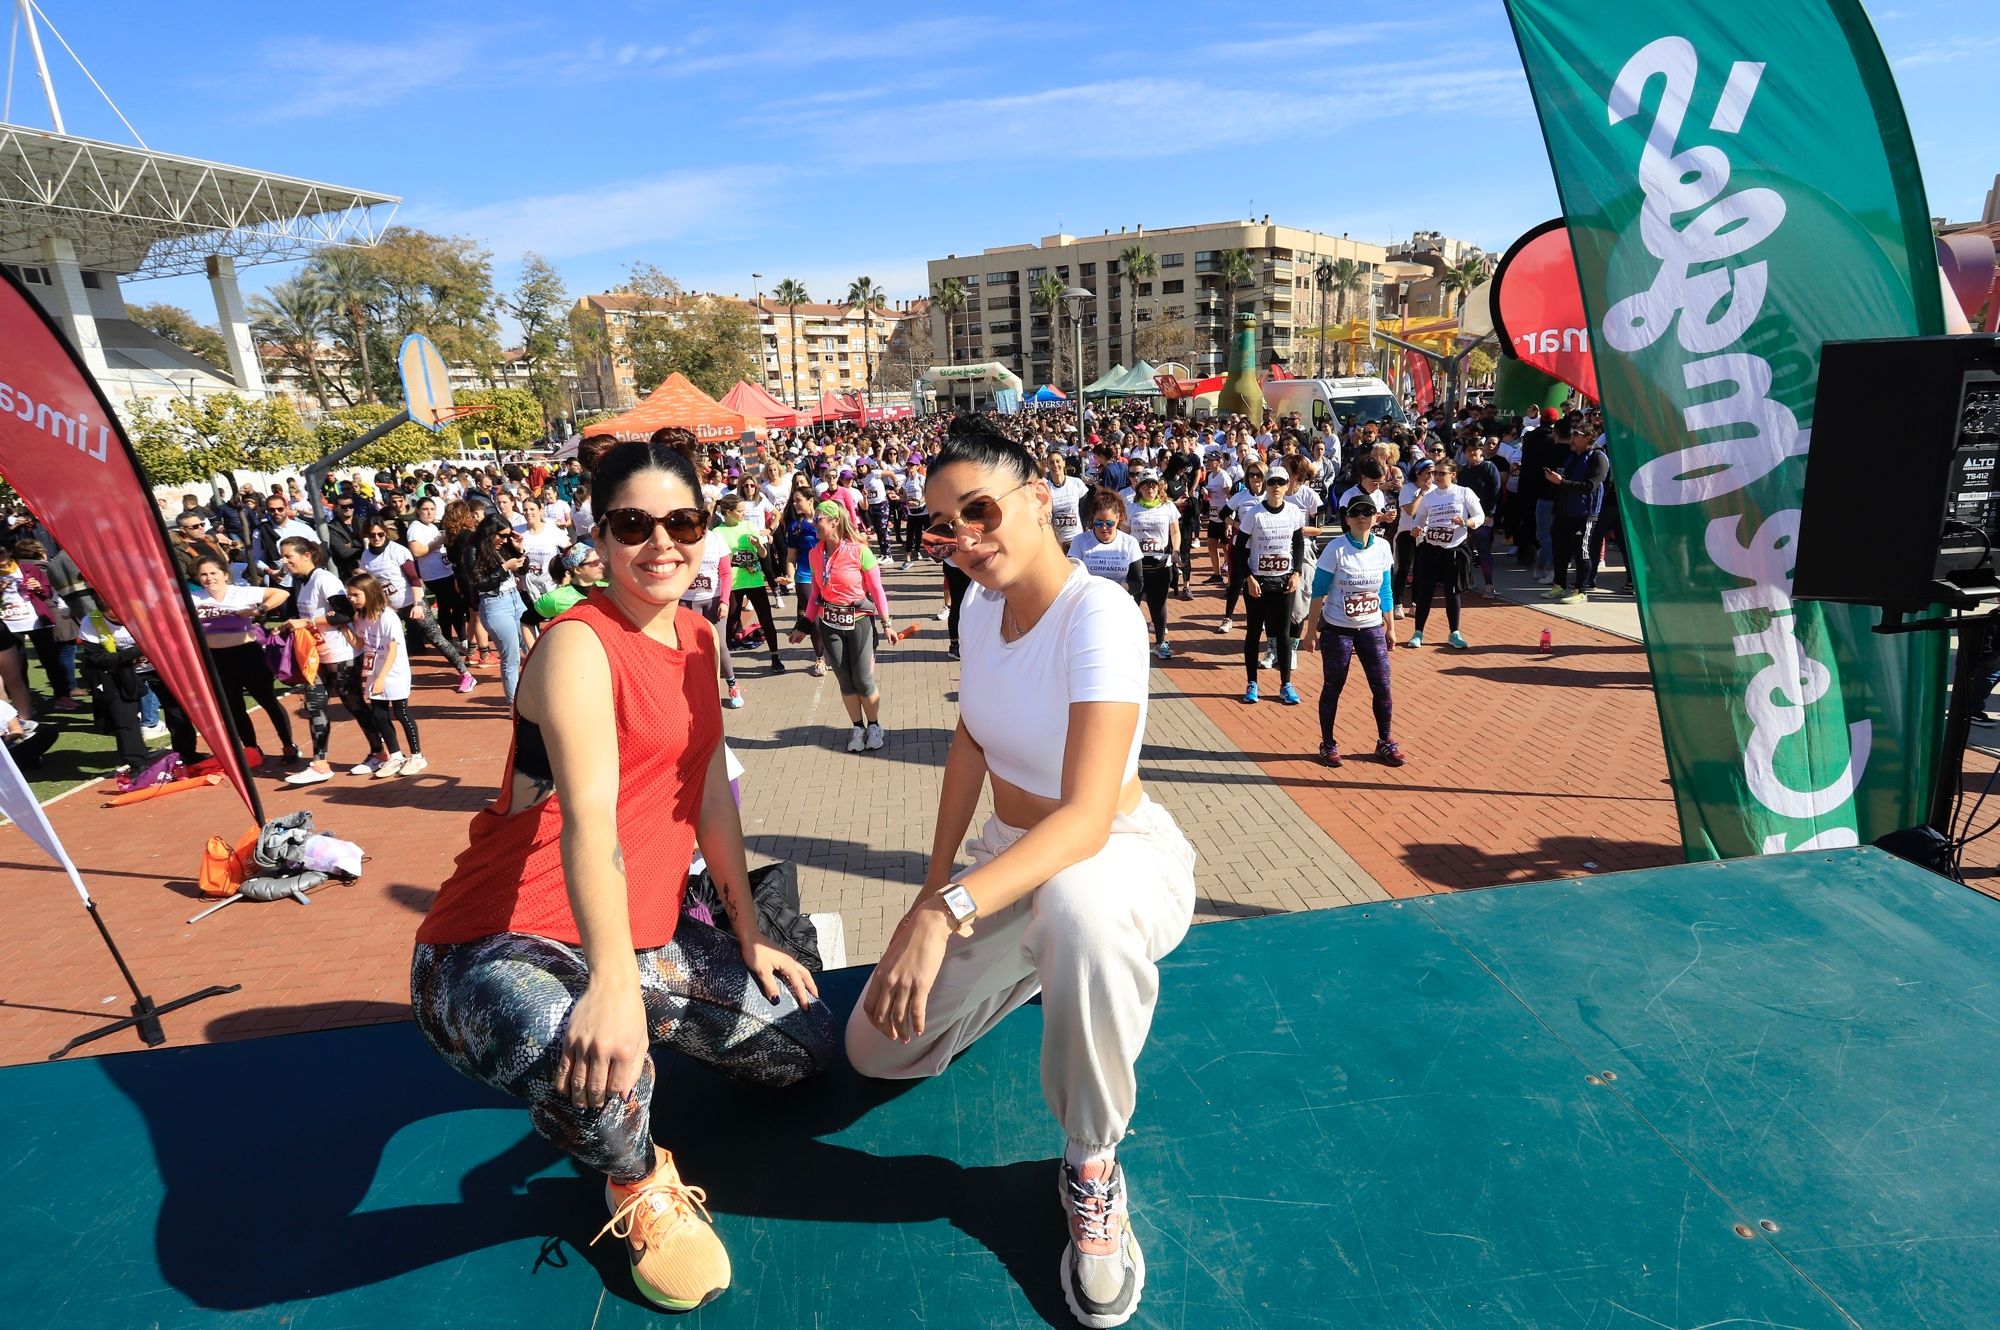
(393, 767)
(874, 736)
(310, 776)
(368, 768)
(1268, 659)
(416, 764)
(857, 740)
(943, 615)
(1224, 626)
(149, 731)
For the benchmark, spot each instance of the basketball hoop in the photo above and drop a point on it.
(451, 415)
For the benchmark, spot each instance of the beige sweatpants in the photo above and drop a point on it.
(1087, 940)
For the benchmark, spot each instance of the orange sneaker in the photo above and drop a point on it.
(677, 1261)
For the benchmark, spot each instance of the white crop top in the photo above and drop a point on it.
(1014, 697)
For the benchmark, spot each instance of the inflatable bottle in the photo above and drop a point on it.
(1240, 394)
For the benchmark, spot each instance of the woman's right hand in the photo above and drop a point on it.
(604, 1047)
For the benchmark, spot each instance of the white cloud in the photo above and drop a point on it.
(315, 76)
(1946, 52)
(619, 216)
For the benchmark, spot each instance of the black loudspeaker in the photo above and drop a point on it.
(1909, 426)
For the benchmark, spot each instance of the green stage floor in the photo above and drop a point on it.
(1747, 1094)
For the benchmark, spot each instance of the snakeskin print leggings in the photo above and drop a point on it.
(496, 1009)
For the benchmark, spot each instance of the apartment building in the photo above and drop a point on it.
(1178, 313)
(808, 350)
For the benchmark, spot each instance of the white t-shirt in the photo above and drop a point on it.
(541, 546)
(518, 520)
(1436, 510)
(387, 565)
(1218, 484)
(775, 492)
(876, 491)
(558, 513)
(1354, 580)
(16, 610)
(913, 492)
(226, 620)
(377, 634)
(1106, 558)
(1306, 499)
(1511, 450)
(1014, 697)
(708, 578)
(1064, 518)
(1153, 527)
(1375, 496)
(334, 648)
(432, 565)
(1270, 536)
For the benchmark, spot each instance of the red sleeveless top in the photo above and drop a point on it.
(510, 877)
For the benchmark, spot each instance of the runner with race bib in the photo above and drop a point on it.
(1156, 525)
(1444, 518)
(1353, 581)
(1066, 494)
(1104, 550)
(1274, 539)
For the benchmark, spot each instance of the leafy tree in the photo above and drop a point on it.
(1480, 365)
(355, 290)
(1349, 277)
(870, 299)
(538, 305)
(516, 420)
(791, 294)
(183, 330)
(1047, 295)
(441, 286)
(179, 441)
(1136, 264)
(405, 445)
(713, 342)
(1460, 278)
(949, 299)
(291, 318)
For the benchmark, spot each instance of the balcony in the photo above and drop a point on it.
(1279, 272)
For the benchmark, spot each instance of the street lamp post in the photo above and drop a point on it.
(757, 284)
(1075, 297)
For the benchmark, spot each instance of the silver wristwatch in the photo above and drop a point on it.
(958, 903)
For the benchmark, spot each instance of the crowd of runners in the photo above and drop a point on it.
(620, 599)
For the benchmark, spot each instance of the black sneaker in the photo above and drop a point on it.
(1985, 718)
(1103, 1270)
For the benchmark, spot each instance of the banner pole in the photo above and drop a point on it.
(316, 471)
(145, 1017)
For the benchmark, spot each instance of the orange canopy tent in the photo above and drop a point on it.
(762, 410)
(674, 403)
(838, 406)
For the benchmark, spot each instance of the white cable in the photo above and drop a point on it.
(87, 74)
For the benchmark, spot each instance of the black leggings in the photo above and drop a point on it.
(425, 618)
(242, 670)
(443, 592)
(49, 652)
(1158, 573)
(1190, 525)
(956, 583)
(1270, 611)
(1239, 573)
(339, 679)
(397, 711)
(1437, 566)
(759, 599)
(1338, 647)
(913, 533)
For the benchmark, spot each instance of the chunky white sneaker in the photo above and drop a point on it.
(393, 767)
(367, 768)
(310, 776)
(415, 764)
(873, 740)
(856, 740)
(1103, 1270)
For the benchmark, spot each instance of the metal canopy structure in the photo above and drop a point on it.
(142, 213)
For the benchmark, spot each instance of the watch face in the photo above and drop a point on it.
(959, 901)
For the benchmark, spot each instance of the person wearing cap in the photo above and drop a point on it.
(1353, 593)
(1443, 520)
(1274, 534)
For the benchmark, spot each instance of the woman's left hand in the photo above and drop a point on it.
(771, 965)
(901, 989)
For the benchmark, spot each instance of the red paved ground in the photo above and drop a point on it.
(1523, 766)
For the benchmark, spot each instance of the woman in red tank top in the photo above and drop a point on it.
(556, 954)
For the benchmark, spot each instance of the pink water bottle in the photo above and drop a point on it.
(1548, 640)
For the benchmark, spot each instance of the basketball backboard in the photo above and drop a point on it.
(426, 383)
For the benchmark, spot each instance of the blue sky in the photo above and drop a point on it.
(825, 142)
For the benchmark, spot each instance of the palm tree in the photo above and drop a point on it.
(1323, 279)
(863, 293)
(791, 294)
(949, 299)
(1348, 275)
(292, 316)
(1136, 263)
(355, 290)
(1461, 277)
(1048, 295)
(1233, 267)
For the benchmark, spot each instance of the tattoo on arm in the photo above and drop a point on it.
(618, 857)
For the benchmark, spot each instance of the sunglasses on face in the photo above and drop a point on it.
(634, 526)
(1104, 523)
(979, 516)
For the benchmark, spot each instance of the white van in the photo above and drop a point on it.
(1360, 399)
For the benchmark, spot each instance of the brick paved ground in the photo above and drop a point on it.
(1524, 766)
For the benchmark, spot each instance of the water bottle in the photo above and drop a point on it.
(1548, 640)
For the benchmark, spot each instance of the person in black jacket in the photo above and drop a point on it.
(1483, 478)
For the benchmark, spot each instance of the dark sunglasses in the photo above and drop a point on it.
(1104, 522)
(979, 516)
(634, 526)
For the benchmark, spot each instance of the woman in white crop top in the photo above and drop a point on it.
(1078, 883)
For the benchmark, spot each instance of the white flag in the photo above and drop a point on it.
(17, 801)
